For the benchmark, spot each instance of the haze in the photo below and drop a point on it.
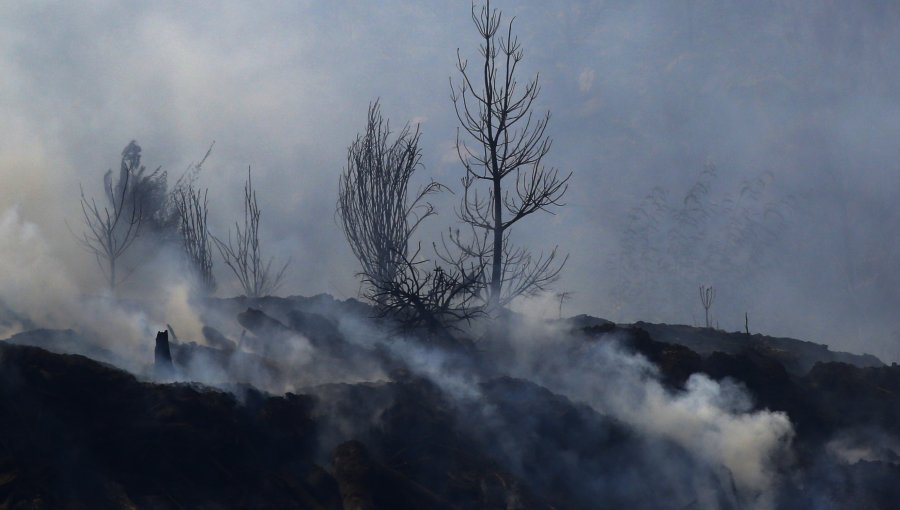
(802, 96)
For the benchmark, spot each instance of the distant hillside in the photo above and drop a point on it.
(797, 356)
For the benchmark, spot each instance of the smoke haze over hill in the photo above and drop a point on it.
(803, 96)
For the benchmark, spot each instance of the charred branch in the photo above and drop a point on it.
(433, 300)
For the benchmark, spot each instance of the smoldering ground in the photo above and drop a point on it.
(703, 443)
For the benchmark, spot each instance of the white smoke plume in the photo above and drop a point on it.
(37, 292)
(715, 421)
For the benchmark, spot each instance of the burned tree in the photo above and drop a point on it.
(376, 212)
(563, 298)
(192, 207)
(379, 216)
(707, 295)
(434, 300)
(507, 153)
(243, 255)
(112, 229)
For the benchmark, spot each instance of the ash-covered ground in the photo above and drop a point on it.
(309, 403)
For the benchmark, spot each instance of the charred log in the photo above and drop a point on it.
(216, 339)
(258, 323)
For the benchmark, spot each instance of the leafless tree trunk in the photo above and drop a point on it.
(243, 255)
(112, 229)
(508, 141)
(707, 295)
(563, 297)
(193, 210)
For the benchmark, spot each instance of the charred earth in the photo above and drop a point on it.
(410, 425)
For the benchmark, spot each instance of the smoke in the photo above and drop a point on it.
(37, 292)
(33, 289)
(713, 426)
(871, 445)
(717, 434)
(714, 421)
(642, 95)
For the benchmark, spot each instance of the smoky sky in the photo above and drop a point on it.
(643, 95)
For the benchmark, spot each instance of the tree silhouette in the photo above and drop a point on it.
(508, 145)
(243, 254)
(707, 295)
(193, 209)
(379, 216)
(112, 229)
(435, 299)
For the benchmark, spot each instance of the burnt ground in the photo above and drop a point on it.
(78, 433)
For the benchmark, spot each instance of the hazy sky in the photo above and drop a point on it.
(643, 94)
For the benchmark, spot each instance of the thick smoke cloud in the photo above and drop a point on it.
(643, 94)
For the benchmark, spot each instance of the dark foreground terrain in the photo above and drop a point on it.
(76, 433)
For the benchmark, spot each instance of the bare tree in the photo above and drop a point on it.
(111, 230)
(192, 172)
(495, 111)
(563, 297)
(192, 207)
(377, 214)
(243, 255)
(707, 295)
